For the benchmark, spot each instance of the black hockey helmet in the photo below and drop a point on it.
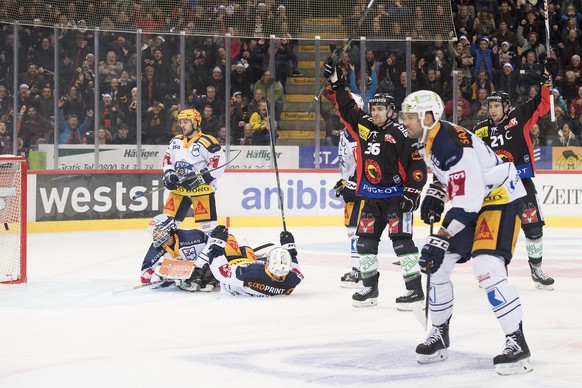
(499, 96)
(382, 99)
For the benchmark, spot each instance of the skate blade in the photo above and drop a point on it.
(207, 288)
(540, 286)
(351, 285)
(514, 368)
(410, 306)
(366, 303)
(439, 355)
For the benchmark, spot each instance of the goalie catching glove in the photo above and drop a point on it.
(433, 204)
(347, 189)
(196, 179)
(433, 252)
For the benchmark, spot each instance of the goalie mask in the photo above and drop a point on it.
(161, 228)
(279, 261)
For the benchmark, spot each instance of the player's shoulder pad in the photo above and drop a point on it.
(210, 143)
(460, 136)
(481, 129)
(191, 236)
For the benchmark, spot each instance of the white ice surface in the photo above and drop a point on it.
(65, 328)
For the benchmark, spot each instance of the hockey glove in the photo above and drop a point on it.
(197, 178)
(347, 189)
(549, 70)
(330, 73)
(433, 252)
(171, 180)
(410, 200)
(214, 246)
(434, 201)
(288, 242)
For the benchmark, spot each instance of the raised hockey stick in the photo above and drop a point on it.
(339, 54)
(140, 287)
(187, 178)
(548, 51)
(274, 156)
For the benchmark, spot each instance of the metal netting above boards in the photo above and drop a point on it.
(423, 20)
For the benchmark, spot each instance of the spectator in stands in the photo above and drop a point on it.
(221, 135)
(241, 81)
(67, 72)
(532, 44)
(110, 114)
(110, 68)
(566, 137)
(530, 75)
(5, 100)
(253, 105)
(504, 34)
(534, 135)
(483, 55)
(481, 82)
(239, 114)
(508, 80)
(123, 49)
(44, 56)
(575, 66)
(46, 104)
(464, 21)
(461, 102)
(24, 98)
(278, 91)
(103, 137)
(506, 14)
(484, 24)
(34, 78)
(151, 88)
(35, 129)
(576, 105)
(155, 126)
(214, 100)
(569, 86)
(217, 81)
(247, 138)
(479, 106)
(73, 103)
(209, 124)
(260, 124)
(5, 140)
(70, 130)
(123, 136)
(431, 82)
(528, 25)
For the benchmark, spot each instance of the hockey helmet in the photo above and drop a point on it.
(358, 100)
(424, 101)
(190, 114)
(279, 261)
(499, 96)
(161, 228)
(382, 99)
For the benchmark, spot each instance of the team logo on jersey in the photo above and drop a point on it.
(483, 232)
(529, 215)
(462, 135)
(418, 175)
(456, 184)
(511, 123)
(393, 222)
(389, 138)
(200, 209)
(363, 132)
(195, 150)
(506, 156)
(170, 205)
(496, 298)
(373, 171)
(366, 225)
(225, 270)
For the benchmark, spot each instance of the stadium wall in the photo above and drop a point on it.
(102, 200)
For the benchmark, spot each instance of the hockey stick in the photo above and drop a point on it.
(187, 178)
(428, 273)
(339, 54)
(274, 155)
(140, 287)
(548, 51)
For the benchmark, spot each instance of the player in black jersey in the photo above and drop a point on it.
(506, 131)
(390, 177)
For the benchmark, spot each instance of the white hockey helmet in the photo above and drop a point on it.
(358, 100)
(424, 101)
(161, 228)
(279, 261)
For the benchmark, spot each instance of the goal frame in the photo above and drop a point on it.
(23, 189)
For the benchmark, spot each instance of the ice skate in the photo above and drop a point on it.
(352, 279)
(368, 296)
(406, 301)
(541, 280)
(434, 348)
(515, 357)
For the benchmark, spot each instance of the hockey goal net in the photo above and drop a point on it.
(12, 219)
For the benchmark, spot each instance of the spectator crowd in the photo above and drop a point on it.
(500, 46)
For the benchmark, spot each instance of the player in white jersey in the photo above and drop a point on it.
(173, 256)
(483, 223)
(190, 171)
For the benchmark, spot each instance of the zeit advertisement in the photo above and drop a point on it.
(58, 197)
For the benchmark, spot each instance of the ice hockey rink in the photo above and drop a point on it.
(67, 328)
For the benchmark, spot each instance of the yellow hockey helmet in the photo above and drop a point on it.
(190, 114)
